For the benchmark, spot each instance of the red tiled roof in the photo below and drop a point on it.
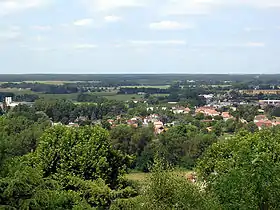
(260, 117)
(226, 115)
(266, 123)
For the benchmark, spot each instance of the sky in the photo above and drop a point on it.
(139, 36)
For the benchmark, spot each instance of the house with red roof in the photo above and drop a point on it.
(264, 124)
(159, 127)
(208, 111)
(181, 110)
(226, 116)
(259, 118)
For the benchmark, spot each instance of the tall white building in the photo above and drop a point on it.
(8, 100)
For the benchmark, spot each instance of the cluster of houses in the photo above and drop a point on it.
(160, 127)
(261, 121)
(153, 119)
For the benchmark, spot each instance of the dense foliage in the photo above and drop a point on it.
(70, 168)
(244, 170)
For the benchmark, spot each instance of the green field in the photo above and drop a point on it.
(73, 96)
(148, 86)
(52, 82)
(16, 91)
(109, 94)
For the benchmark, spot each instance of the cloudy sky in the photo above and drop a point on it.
(139, 36)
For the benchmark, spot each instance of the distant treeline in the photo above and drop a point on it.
(44, 88)
(91, 98)
(136, 90)
(143, 79)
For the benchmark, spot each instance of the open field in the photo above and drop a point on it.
(72, 96)
(16, 91)
(148, 86)
(52, 82)
(109, 94)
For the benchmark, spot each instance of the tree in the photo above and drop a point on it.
(131, 140)
(183, 144)
(72, 168)
(276, 112)
(85, 152)
(244, 171)
(168, 190)
(19, 135)
(26, 188)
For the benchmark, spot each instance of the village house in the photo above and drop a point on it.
(226, 116)
(158, 127)
(134, 122)
(181, 110)
(264, 124)
(207, 111)
(260, 118)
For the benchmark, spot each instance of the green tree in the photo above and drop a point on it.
(183, 144)
(85, 152)
(132, 141)
(72, 168)
(168, 190)
(244, 171)
(19, 135)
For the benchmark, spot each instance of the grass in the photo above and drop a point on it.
(16, 91)
(52, 82)
(144, 177)
(119, 97)
(138, 176)
(148, 86)
(72, 96)
(111, 95)
(124, 97)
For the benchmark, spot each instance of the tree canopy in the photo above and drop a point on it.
(244, 171)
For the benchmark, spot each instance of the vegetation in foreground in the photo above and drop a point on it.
(59, 167)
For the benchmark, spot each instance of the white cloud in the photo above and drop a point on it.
(40, 38)
(185, 7)
(10, 33)
(156, 42)
(255, 3)
(112, 18)
(109, 5)
(255, 44)
(42, 28)
(83, 22)
(40, 49)
(15, 28)
(251, 29)
(169, 25)
(12, 6)
(84, 46)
